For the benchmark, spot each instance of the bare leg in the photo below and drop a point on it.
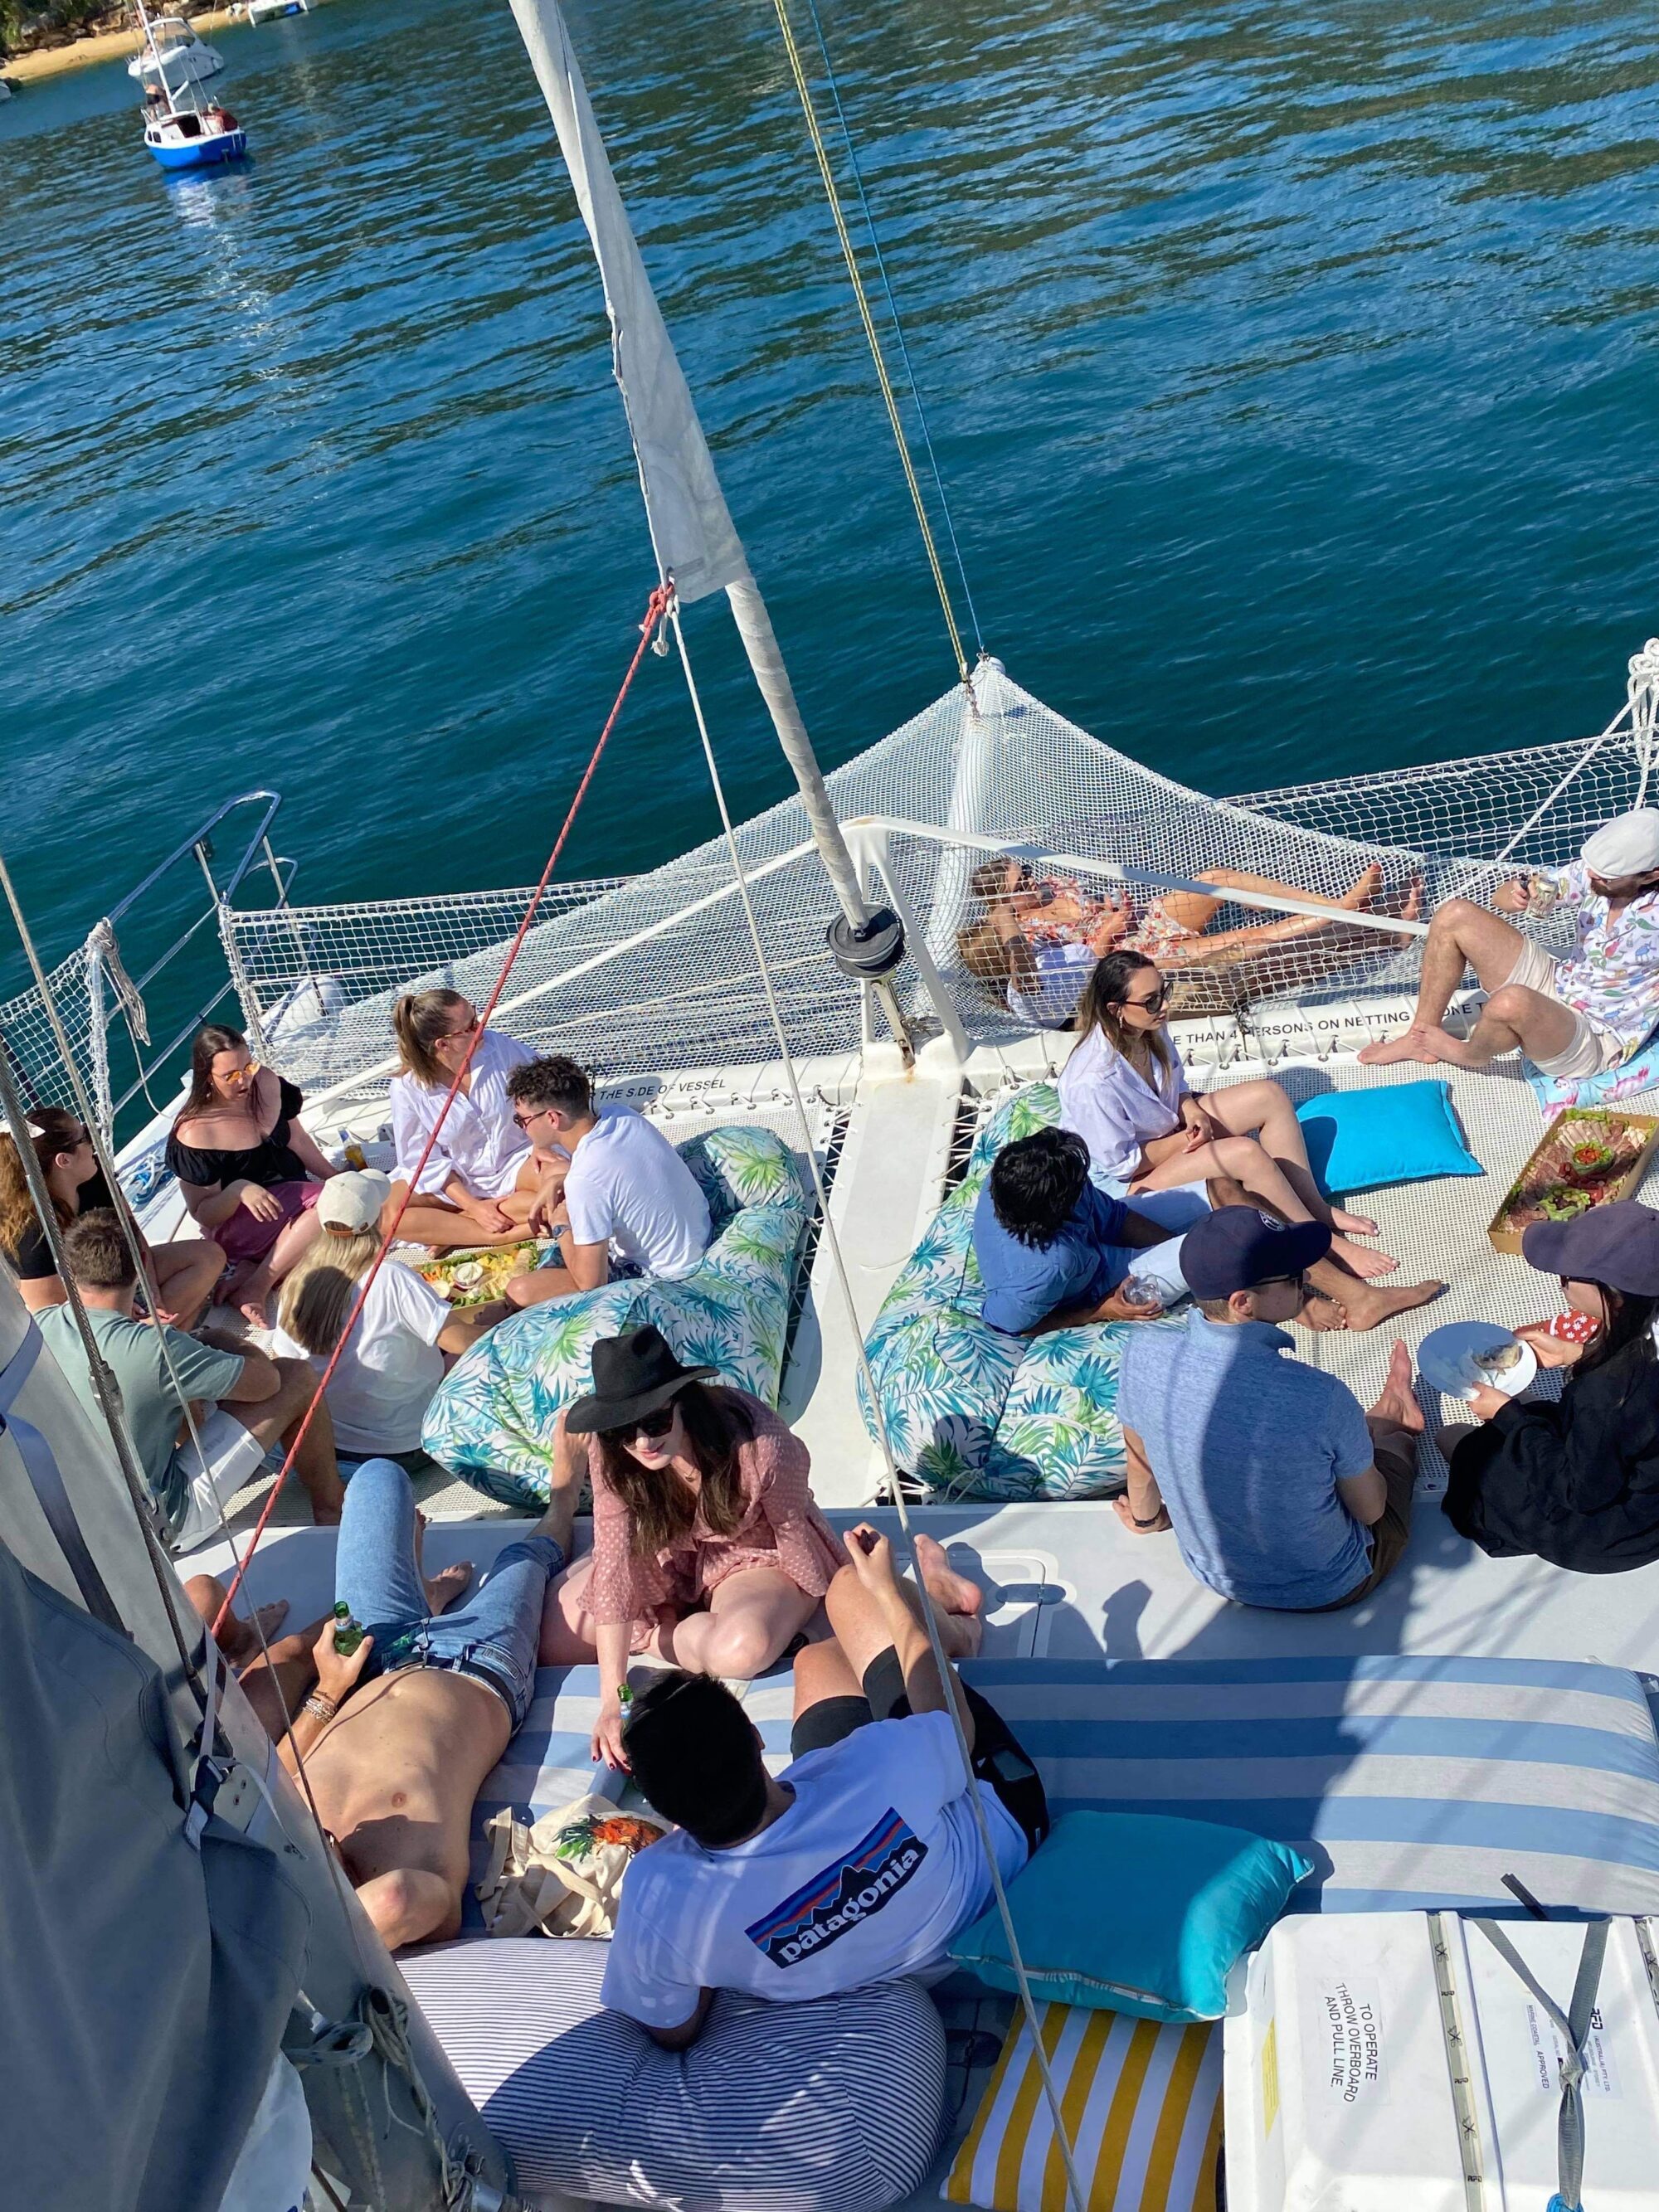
(1345, 1301)
(1195, 913)
(751, 1619)
(278, 1419)
(1514, 1020)
(1460, 935)
(1245, 1160)
(567, 1627)
(254, 1295)
(185, 1274)
(441, 1225)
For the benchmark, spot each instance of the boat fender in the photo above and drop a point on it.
(871, 952)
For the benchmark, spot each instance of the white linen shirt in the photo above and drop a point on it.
(1612, 978)
(1114, 1108)
(480, 1141)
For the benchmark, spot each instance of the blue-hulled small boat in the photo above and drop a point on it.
(182, 138)
(178, 131)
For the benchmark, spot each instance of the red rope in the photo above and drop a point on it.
(656, 610)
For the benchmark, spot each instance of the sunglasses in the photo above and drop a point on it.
(653, 1427)
(524, 1120)
(465, 1029)
(1156, 1003)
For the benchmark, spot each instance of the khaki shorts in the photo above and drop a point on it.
(1593, 1047)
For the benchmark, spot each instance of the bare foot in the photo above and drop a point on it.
(1415, 1044)
(254, 1297)
(1362, 890)
(1397, 1401)
(1352, 1224)
(1413, 909)
(957, 1601)
(1369, 1307)
(1456, 1052)
(1364, 1263)
(1323, 1314)
(241, 1640)
(448, 1584)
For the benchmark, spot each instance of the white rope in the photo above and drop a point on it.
(114, 1414)
(1075, 2190)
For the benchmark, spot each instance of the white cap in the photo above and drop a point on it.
(353, 1200)
(1626, 846)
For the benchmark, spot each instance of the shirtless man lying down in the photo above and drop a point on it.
(398, 1736)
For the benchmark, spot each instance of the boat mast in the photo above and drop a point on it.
(154, 51)
(692, 532)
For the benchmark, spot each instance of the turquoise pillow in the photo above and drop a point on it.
(1137, 1913)
(1399, 1132)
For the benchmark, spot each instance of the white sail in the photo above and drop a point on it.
(691, 529)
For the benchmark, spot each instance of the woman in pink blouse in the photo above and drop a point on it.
(709, 1552)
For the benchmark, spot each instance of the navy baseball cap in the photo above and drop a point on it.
(1616, 1244)
(1237, 1247)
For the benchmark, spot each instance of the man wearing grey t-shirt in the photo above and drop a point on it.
(1281, 1491)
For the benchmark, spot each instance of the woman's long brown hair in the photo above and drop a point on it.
(55, 1130)
(1104, 994)
(418, 1020)
(661, 1508)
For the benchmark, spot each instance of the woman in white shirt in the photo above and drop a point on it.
(1124, 1091)
(477, 1187)
(394, 1358)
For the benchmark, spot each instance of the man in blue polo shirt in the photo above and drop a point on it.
(1053, 1249)
(1281, 1491)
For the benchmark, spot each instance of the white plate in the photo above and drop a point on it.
(1444, 1357)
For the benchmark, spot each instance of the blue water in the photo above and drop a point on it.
(1292, 369)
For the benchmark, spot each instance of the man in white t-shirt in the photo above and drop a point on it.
(859, 1862)
(614, 1190)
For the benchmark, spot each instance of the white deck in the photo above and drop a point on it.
(1106, 1591)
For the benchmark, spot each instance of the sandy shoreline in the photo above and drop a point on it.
(105, 47)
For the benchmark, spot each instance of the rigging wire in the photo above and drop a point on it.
(889, 398)
(831, 1236)
(655, 613)
(109, 1399)
(898, 326)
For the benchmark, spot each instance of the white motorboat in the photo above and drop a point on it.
(268, 11)
(1430, 1744)
(174, 55)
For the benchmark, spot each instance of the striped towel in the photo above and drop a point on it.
(1142, 2106)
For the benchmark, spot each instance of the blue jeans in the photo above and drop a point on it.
(495, 1636)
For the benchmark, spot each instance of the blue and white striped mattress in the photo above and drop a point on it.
(1413, 1783)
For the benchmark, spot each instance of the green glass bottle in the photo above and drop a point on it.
(346, 1633)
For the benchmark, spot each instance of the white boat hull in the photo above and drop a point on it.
(191, 64)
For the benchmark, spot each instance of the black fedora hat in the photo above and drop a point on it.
(634, 1375)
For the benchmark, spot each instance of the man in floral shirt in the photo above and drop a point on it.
(1571, 1017)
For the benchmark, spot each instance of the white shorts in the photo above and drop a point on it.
(226, 1463)
(1592, 1047)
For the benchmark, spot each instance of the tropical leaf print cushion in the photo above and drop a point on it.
(492, 1418)
(972, 1412)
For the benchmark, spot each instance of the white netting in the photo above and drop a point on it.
(656, 972)
(27, 1038)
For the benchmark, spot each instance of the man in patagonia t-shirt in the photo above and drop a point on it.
(863, 1859)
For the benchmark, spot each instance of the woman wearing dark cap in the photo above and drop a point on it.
(1576, 1482)
(708, 1550)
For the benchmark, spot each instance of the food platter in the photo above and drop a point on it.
(1586, 1158)
(473, 1277)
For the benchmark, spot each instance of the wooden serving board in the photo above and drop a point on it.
(1595, 1120)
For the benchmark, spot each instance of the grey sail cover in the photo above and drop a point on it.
(691, 529)
(148, 1981)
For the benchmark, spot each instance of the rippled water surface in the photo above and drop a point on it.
(1292, 367)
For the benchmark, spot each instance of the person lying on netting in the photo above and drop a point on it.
(1578, 1015)
(402, 1729)
(861, 1860)
(1037, 937)
(1173, 1153)
(611, 1188)
(243, 1402)
(1281, 1491)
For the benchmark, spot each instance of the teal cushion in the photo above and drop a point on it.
(1137, 1913)
(1399, 1132)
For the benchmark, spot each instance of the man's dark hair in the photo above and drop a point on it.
(1035, 1183)
(99, 1256)
(553, 1081)
(696, 1758)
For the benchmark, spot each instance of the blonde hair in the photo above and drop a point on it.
(418, 1020)
(318, 1292)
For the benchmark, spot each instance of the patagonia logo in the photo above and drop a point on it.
(843, 1895)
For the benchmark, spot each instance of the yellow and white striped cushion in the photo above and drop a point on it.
(1142, 2106)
